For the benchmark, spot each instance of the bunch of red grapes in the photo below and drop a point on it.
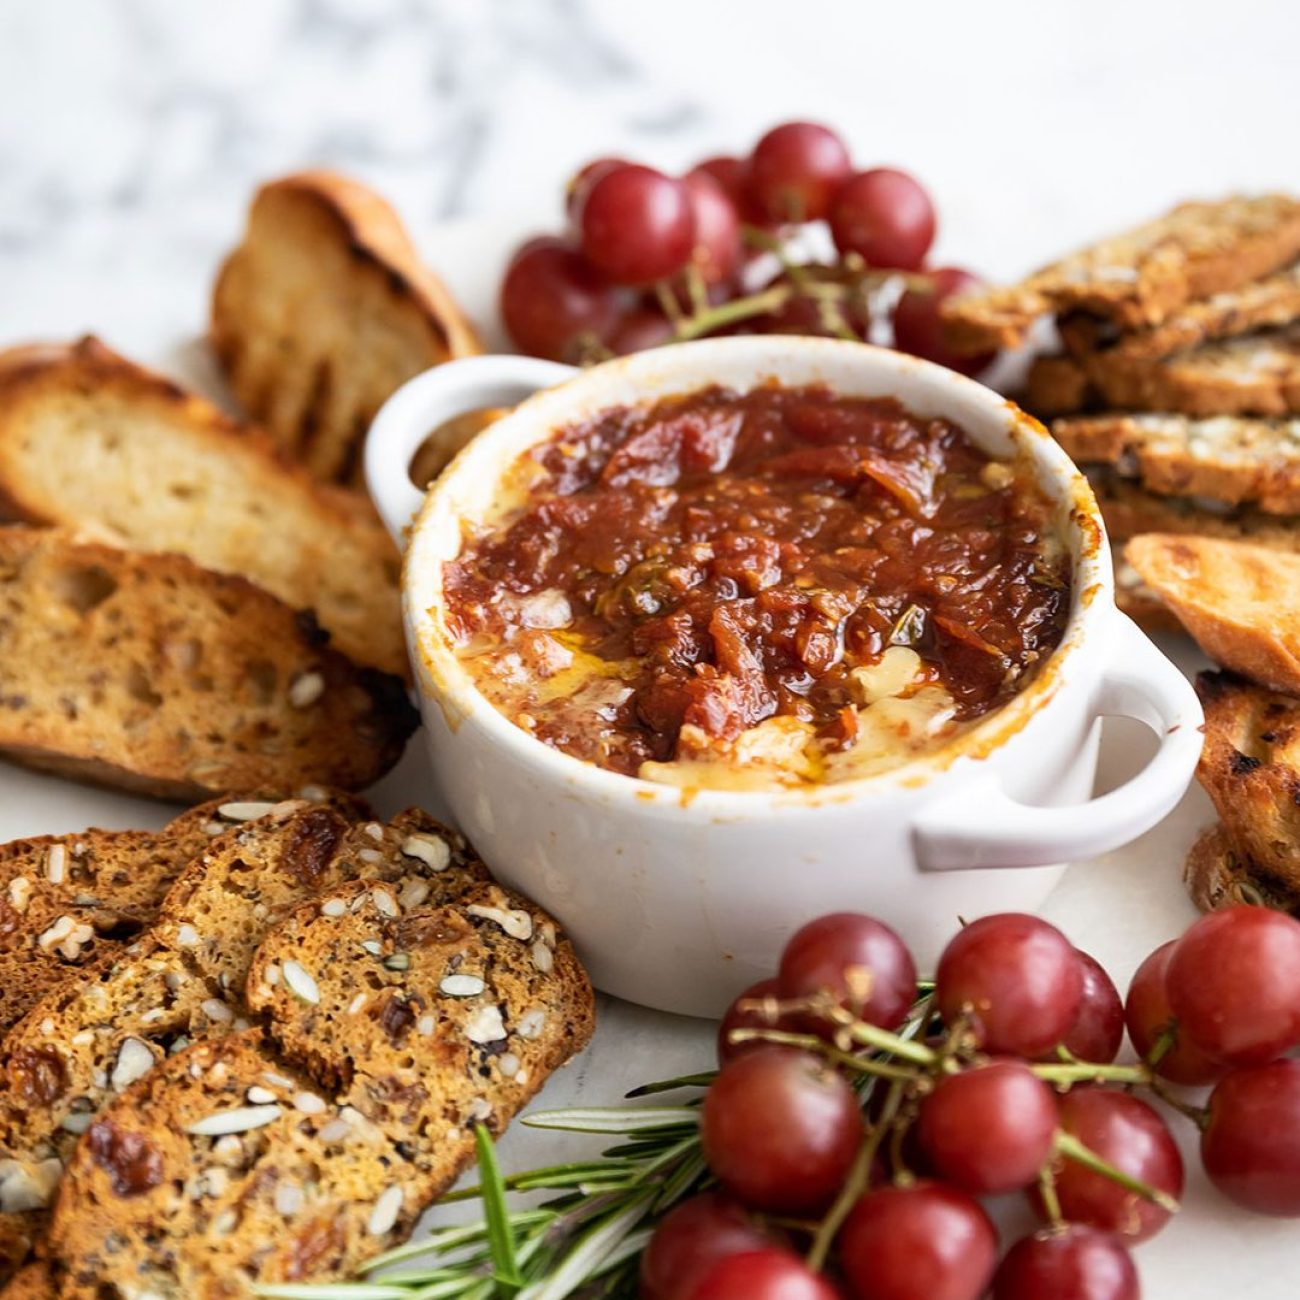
(850, 1157)
(651, 258)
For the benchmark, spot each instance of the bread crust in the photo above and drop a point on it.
(1217, 874)
(1139, 278)
(1254, 374)
(1250, 768)
(1240, 603)
(92, 442)
(149, 673)
(1130, 510)
(1272, 301)
(287, 346)
(1233, 460)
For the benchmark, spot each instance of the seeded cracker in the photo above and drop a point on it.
(1231, 460)
(1139, 278)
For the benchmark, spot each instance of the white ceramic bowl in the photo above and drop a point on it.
(678, 902)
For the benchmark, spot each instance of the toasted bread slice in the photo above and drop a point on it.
(1137, 600)
(1218, 875)
(1255, 374)
(1250, 768)
(1141, 277)
(1272, 301)
(35, 1282)
(1240, 603)
(1230, 459)
(323, 311)
(152, 674)
(1130, 510)
(90, 441)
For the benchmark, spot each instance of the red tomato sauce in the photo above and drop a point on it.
(717, 559)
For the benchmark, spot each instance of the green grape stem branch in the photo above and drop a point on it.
(586, 1237)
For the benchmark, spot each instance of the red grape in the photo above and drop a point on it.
(1018, 978)
(780, 1129)
(918, 329)
(1251, 1145)
(733, 175)
(691, 1239)
(859, 960)
(717, 229)
(1232, 981)
(769, 1274)
(795, 170)
(551, 297)
(988, 1129)
(1148, 1016)
(1076, 1262)
(737, 1019)
(1124, 1131)
(886, 217)
(638, 329)
(1098, 1029)
(923, 1242)
(575, 191)
(638, 225)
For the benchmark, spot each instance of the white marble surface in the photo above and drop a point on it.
(132, 132)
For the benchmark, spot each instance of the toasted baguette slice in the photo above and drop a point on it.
(152, 674)
(1218, 875)
(323, 311)
(1255, 374)
(1229, 459)
(74, 1050)
(1272, 301)
(324, 1181)
(90, 441)
(1141, 277)
(414, 856)
(1250, 768)
(1137, 600)
(1240, 603)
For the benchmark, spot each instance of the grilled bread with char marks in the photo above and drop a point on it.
(322, 312)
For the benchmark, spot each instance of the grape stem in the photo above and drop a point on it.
(1087, 1072)
(1047, 1190)
(863, 1064)
(728, 313)
(856, 1181)
(1069, 1146)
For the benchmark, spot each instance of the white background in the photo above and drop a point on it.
(133, 131)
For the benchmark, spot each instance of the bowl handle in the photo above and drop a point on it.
(983, 826)
(431, 399)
